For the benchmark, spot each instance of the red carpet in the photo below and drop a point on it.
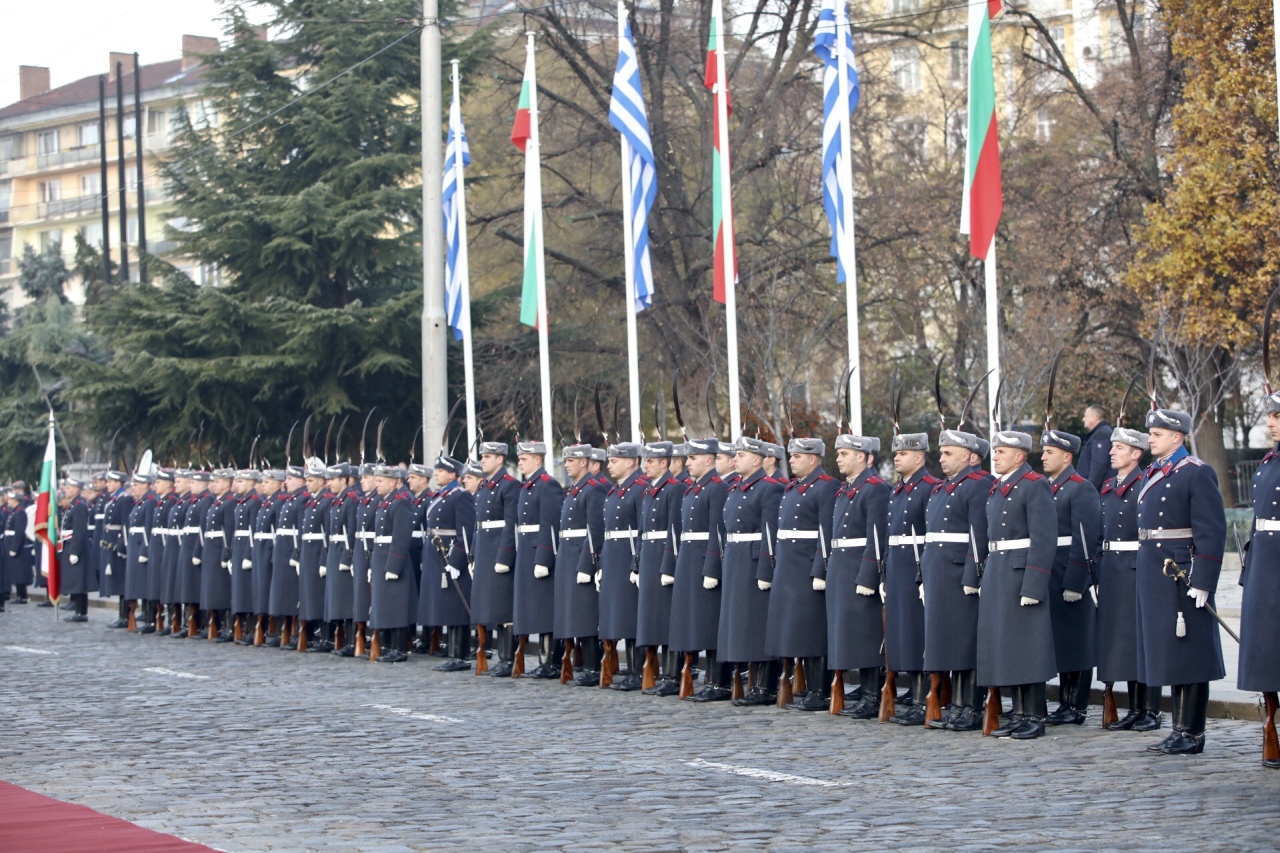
(33, 823)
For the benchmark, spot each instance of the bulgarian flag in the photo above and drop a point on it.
(983, 199)
(524, 134)
(717, 80)
(46, 524)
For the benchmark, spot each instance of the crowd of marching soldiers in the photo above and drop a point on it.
(659, 558)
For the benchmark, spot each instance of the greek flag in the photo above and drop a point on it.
(455, 265)
(639, 169)
(833, 20)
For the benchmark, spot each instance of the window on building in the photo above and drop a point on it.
(959, 52)
(92, 234)
(1116, 49)
(904, 7)
(87, 134)
(50, 190)
(91, 185)
(50, 238)
(912, 138)
(132, 229)
(48, 142)
(157, 122)
(904, 68)
(6, 148)
(203, 115)
(1044, 124)
(957, 132)
(129, 125)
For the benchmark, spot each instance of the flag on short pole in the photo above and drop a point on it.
(46, 515)
(524, 134)
(983, 198)
(640, 170)
(834, 146)
(457, 156)
(726, 255)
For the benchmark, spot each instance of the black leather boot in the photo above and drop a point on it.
(504, 642)
(395, 648)
(458, 642)
(550, 654)
(1035, 711)
(816, 679)
(951, 711)
(20, 594)
(591, 657)
(717, 687)
(79, 608)
(1149, 716)
(914, 714)
(1069, 712)
(348, 649)
(867, 707)
(763, 676)
(968, 717)
(632, 679)
(668, 683)
(1195, 708)
(122, 615)
(147, 616)
(1016, 714)
(1136, 700)
(1175, 695)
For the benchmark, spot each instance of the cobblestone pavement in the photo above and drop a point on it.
(258, 749)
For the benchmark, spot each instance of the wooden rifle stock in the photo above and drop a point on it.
(517, 666)
(933, 703)
(211, 625)
(566, 663)
(577, 655)
(340, 636)
(482, 656)
(191, 622)
(785, 696)
(133, 618)
(837, 692)
(237, 632)
(686, 677)
(286, 631)
(1270, 743)
(1109, 713)
(798, 679)
(650, 673)
(361, 650)
(608, 663)
(888, 695)
(375, 645)
(434, 642)
(735, 691)
(159, 617)
(991, 721)
(302, 635)
(945, 693)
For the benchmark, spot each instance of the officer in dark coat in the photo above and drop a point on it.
(19, 548)
(903, 570)
(750, 531)
(1180, 518)
(137, 537)
(244, 512)
(74, 567)
(1074, 614)
(97, 496)
(172, 547)
(618, 577)
(263, 556)
(165, 500)
(1259, 628)
(492, 584)
(1117, 582)
(659, 541)
(445, 580)
(774, 454)
(361, 567)
(1015, 628)
(286, 548)
(537, 545)
(418, 482)
(394, 595)
(695, 597)
(797, 620)
(313, 531)
(339, 591)
(680, 463)
(851, 578)
(191, 550)
(216, 532)
(955, 526)
(1095, 450)
(112, 557)
(577, 605)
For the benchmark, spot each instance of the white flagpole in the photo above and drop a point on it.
(464, 273)
(993, 327)
(726, 223)
(848, 249)
(534, 177)
(633, 358)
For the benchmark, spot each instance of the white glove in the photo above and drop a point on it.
(142, 558)
(765, 586)
(73, 559)
(710, 583)
(971, 590)
(391, 576)
(500, 568)
(819, 584)
(583, 577)
(368, 576)
(324, 570)
(108, 570)
(1028, 602)
(13, 553)
(195, 561)
(297, 567)
(1071, 597)
(635, 578)
(864, 590)
(471, 569)
(598, 576)
(922, 593)
(668, 580)
(541, 572)
(882, 595)
(453, 573)
(341, 567)
(1201, 596)
(227, 565)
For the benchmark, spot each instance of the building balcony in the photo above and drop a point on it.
(68, 207)
(68, 157)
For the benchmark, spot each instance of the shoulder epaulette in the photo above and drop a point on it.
(546, 478)
(1076, 478)
(873, 480)
(1032, 475)
(930, 479)
(825, 476)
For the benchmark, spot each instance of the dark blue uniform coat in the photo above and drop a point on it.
(619, 598)
(855, 623)
(243, 515)
(904, 615)
(451, 511)
(537, 544)
(1260, 577)
(957, 507)
(495, 544)
(660, 534)
(1117, 580)
(695, 610)
(137, 554)
(578, 604)
(1075, 624)
(749, 505)
(394, 594)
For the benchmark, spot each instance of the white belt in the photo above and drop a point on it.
(797, 534)
(1166, 533)
(440, 531)
(528, 528)
(114, 527)
(244, 534)
(492, 525)
(1010, 544)
(574, 533)
(286, 531)
(962, 538)
(742, 537)
(417, 534)
(621, 534)
(1064, 541)
(99, 515)
(313, 537)
(849, 543)
(382, 540)
(654, 535)
(191, 529)
(695, 536)
(261, 536)
(1268, 524)
(365, 534)
(213, 534)
(137, 530)
(895, 541)
(1117, 545)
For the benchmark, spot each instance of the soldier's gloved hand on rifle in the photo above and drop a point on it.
(765, 586)
(74, 559)
(142, 558)
(246, 564)
(541, 572)
(453, 573)
(392, 576)
(1029, 602)
(819, 584)
(583, 577)
(227, 565)
(598, 576)
(501, 568)
(710, 583)
(1200, 596)
(921, 593)
(296, 565)
(668, 580)
(882, 595)
(971, 590)
(635, 578)
(324, 570)
(864, 590)
(195, 561)
(1071, 597)
(342, 567)
(471, 569)
(13, 553)
(108, 570)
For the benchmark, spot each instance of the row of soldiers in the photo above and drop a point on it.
(669, 553)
